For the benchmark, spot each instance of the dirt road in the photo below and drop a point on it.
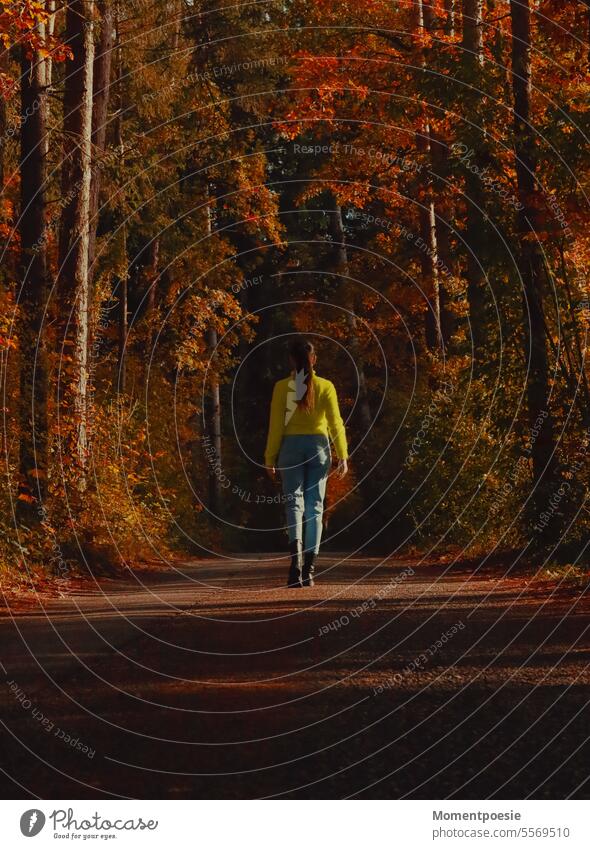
(386, 680)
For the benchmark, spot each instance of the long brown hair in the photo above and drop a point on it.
(302, 351)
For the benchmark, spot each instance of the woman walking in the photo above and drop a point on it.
(304, 416)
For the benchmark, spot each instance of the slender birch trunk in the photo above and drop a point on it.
(427, 213)
(75, 222)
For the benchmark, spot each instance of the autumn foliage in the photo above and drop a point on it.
(403, 181)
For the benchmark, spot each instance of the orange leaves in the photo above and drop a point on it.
(24, 496)
(21, 17)
(20, 25)
(8, 341)
(216, 309)
(253, 202)
(342, 82)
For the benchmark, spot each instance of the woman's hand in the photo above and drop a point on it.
(271, 472)
(342, 468)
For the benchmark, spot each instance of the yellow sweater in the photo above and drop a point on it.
(287, 419)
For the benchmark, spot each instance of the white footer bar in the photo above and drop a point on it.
(299, 824)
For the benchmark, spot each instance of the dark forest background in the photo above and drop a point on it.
(185, 184)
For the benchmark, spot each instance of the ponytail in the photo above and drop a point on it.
(301, 351)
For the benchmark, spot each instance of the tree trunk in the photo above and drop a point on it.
(473, 30)
(530, 260)
(123, 287)
(443, 222)
(440, 153)
(177, 12)
(213, 412)
(339, 239)
(4, 69)
(475, 231)
(213, 425)
(424, 19)
(429, 261)
(74, 230)
(32, 299)
(50, 6)
(101, 92)
(152, 279)
(449, 28)
(45, 31)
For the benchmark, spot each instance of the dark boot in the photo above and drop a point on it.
(308, 568)
(296, 566)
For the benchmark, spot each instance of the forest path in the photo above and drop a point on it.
(387, 679)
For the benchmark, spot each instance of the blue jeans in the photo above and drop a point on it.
(304, 462)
